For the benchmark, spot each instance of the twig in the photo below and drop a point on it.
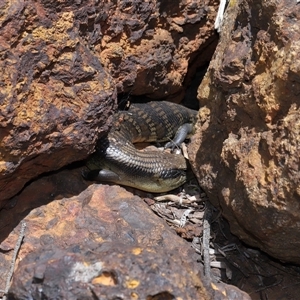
(259, 275)
(233, 263)
(13, 260)
(184, 150)
(267, 287)
(178, 199)
(206, 258)
(220, 15)
(171, 197)
(184, 216)
(196, 244)
(297, 283)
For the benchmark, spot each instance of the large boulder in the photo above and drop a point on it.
(246, 150)
(152, 47)
(97, 241)
(55, 95)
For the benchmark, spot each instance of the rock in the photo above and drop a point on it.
(152, 48)
(55, 95)
(227, 291)
(102, 243)
(246, 149)
(62, 63)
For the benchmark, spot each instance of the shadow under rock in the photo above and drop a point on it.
(66, 182)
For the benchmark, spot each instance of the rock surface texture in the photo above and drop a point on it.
(102, 243)
(250, 122)
(55, 94)
(63, 61)
(150, 46)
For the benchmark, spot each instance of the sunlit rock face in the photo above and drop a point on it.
(247, 147)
